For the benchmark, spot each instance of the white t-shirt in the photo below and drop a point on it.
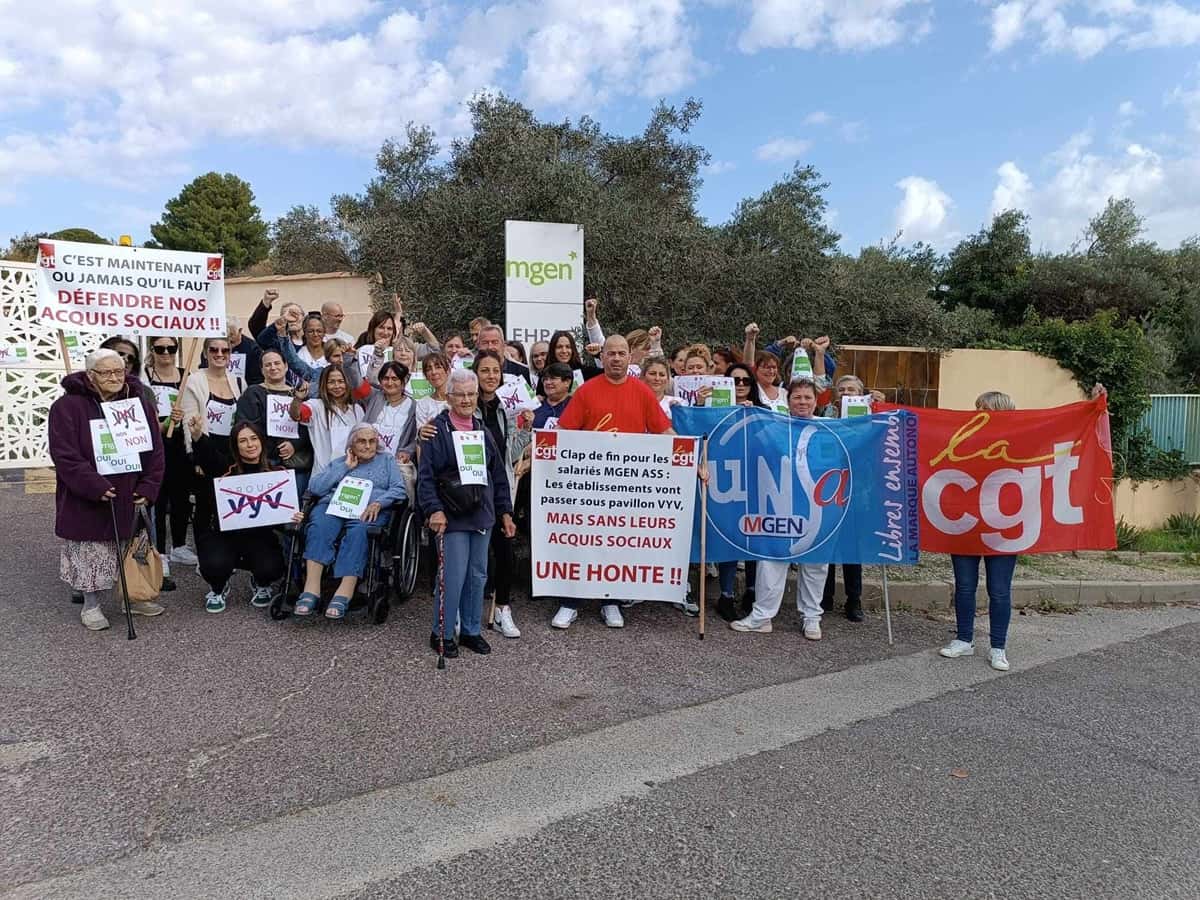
(320, 431)
(429, 409)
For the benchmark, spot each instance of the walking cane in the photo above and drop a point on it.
(441, 601)
(112, 507)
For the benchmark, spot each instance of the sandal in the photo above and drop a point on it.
(305, 604)
(337, 607)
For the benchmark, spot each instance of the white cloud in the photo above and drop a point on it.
(855, 25)
(1077, 181)
(1013, 191)
(820, 117)
(719, 167)
(136, 86)
(1084, 28)
(1189, 99)
(1127, 110)
(782, 148)
(923, 213)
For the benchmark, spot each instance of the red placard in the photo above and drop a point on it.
(1018, 481)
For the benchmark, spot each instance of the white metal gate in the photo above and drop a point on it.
(29, 387)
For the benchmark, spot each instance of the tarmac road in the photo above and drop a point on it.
(231, 755)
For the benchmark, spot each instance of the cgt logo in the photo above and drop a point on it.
(545, 445)
(214, 268)
(45, 255)
(683, 451)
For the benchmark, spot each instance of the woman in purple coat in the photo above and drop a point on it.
(89, 476)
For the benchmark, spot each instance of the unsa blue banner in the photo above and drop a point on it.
(807, 490)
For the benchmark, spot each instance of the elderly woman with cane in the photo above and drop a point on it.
(98, 491)
(463, 487)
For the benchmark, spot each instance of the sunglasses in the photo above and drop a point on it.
(125, 354)
(213, 351)
(165, 349)
(742, 379)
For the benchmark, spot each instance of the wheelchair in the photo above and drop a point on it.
(393, 562)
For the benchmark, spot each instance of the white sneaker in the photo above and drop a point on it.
(998, 660)
(611, 614)
(564, 617)
(688, 607)
(957, 648)
(504, 621)
(812, 629)
(184, 556)
(145, 608)
(93, 619)
(261, 597)
(759, 626)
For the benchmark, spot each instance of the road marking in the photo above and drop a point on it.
(388, 832)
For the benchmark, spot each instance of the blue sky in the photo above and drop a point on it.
(925, 116)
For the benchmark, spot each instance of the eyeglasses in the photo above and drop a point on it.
(124, 354)
(458, 396)
(109, 373)
(742, 379)
(165, 349)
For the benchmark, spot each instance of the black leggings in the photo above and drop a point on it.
(500, 566)
(254, 549)
(175, 496)
(851, 576)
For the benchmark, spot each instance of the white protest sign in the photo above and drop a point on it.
(130, 290)
(127, 423)
(543, 278)
(462, 362)
(280, 423)
(577, 380)
(164, 398)
(517, 396)
(687, 389)
(104, 452)
(237, 365)
(855, 406)
(801, 365)
(389, 439)
(612, 514)
(14, 354)
(469, 453)
(219, 417)
(255, 501)
(351, 497)
(366, 358)
(635, 371)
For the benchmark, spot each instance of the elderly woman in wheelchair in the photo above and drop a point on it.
(354, 493)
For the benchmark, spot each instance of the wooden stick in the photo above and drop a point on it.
(703, 533)
(66, 354)
(196, 342)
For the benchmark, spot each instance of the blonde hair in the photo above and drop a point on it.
(994, 400)
(638, 339)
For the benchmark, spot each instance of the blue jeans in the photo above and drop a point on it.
(464, 571)
(727, 572)
(349, 559)
(999, 571)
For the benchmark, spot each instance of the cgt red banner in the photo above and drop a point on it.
(1022, 481)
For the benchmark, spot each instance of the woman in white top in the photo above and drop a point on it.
(436, 368)
(329, 416)
(656, 373)
(766, 372)
(313, 351)
(211, 396)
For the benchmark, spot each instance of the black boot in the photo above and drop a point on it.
(450, 650)
(727, 609)
(854, 610)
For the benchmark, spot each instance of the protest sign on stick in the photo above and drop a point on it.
(612, 514)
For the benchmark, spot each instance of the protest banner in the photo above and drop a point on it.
(128, 426)
(611, 514)
(130, 290)
(687, 389)
(1016, 481)
(280, 423)
(252, 501)
(543, 278)
(807, 490)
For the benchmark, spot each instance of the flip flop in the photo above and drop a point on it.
(305, 604)
(337, 607)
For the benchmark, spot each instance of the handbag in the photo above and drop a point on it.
(142, 563)
(458, 499)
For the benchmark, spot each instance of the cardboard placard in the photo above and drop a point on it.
(471, 456)
(350, 498)
(255, 501)
(127, 422)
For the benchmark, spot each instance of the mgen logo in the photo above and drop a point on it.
(214, 268)
(545, 445)
(774, 526)
(683, 451)
(45, 255)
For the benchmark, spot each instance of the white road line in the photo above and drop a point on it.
(346, 845)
